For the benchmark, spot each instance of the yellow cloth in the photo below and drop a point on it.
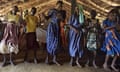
(31, 22)
(15, 18)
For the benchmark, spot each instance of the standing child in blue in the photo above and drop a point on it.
(112, 42)
(75, 25)
(53, 32)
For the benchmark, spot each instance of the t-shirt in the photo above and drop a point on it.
(14, 18)
(31, 23)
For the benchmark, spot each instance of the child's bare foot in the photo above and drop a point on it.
(94, 65)
(3, 64)
(113, 67)
(87, 64)
(12, 63)
(35, 61)
(106, 67)
(57, 63)
(78, 64)
(46, 61)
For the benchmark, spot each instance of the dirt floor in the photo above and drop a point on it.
(42, 67)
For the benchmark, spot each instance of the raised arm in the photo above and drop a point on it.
(50, 13)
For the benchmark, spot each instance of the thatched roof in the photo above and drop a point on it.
(101, 6)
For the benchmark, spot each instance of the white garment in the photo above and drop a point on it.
(41, 35)
(8, 48)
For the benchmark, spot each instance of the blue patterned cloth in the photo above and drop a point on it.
(74, 38)
(53, 32)
(107, 47)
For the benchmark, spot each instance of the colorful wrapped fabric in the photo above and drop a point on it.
(63, 36)
(75, 38)
(53, 33)
(81, 14)
(9, 43)
(62, 30)
(112, 40)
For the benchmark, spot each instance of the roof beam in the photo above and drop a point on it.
(97, 6)
(110, 3)
(86, 12)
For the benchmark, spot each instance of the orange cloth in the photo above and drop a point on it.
(62, 34)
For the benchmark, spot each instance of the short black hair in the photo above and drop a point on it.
(93, 12)
(15, 8)
(33, 8)
(59, 2)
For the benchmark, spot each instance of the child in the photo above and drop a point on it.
(75, 34)
(92, 37)
(112, 42)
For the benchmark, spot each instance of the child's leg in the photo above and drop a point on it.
(55, 60)
(77, 62)
(105, 66)
(88, 58)
(113, 63)
(87, 63)
(47, 59)
(11, 59)
(4, 60)
(72, 61)
(35, 56)
(93, 62)
(26, 55)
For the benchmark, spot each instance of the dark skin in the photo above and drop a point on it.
(26, 13)
(111, 17)
(33, 12)
(59, 7)
(54, 60)
(93, 16)
(71, 27)
(13, 12)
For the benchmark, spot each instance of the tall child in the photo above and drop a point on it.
(31, 24)
(56, 16)
(112, 41)
(75, 34)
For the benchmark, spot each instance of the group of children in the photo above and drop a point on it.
(89, 30)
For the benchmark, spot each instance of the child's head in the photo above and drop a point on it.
(14, 9)
(93, 13)
(33, 11)
(111, 16)
(59, 5)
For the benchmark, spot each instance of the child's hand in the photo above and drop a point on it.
(76, 31)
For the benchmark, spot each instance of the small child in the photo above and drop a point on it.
(92, 37)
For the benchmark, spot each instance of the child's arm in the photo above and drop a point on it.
(113, 33)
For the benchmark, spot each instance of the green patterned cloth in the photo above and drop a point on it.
(81, 14)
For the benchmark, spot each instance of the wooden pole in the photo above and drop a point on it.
(73, 4)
